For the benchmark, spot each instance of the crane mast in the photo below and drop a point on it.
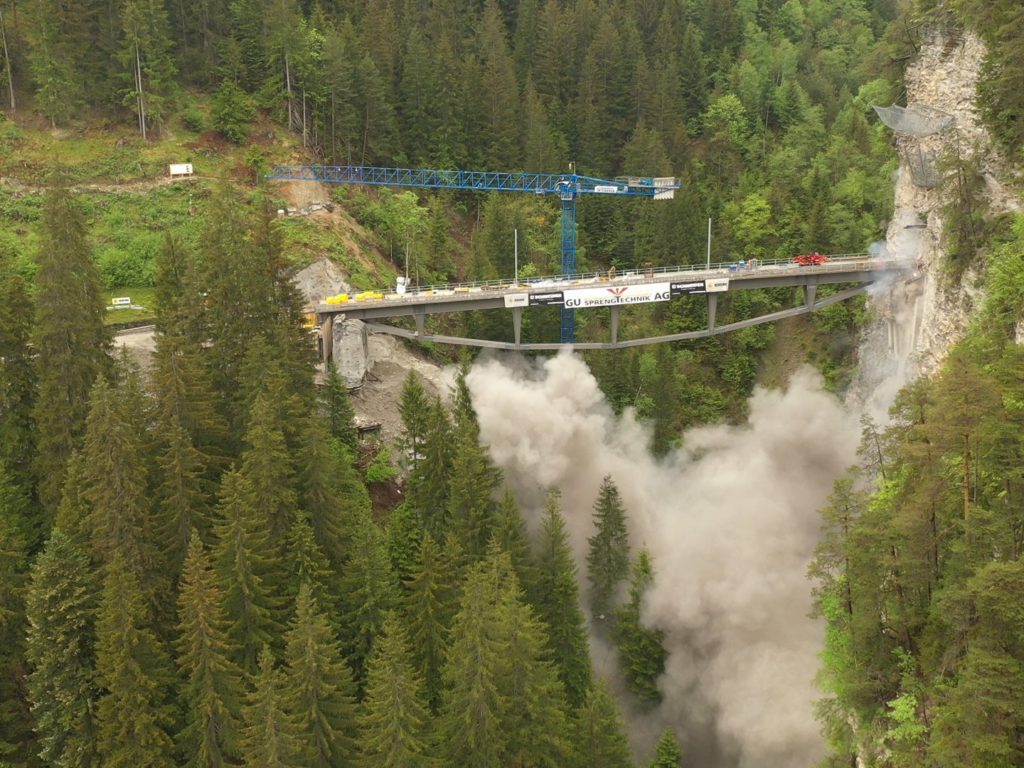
(567, 186)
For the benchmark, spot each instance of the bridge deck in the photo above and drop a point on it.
(857, 268)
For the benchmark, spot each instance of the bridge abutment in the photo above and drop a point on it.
(350, 350)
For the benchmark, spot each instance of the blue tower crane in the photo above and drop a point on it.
(568, 187)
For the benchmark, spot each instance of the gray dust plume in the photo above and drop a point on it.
(731, 522)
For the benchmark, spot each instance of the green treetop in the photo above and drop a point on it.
(608, 557)
(395, 721)
(213, 690)
(271, 737)
(319, 690)
(558, 604)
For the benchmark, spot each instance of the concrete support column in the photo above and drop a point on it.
(351, 351)
(615, 324)
(809, 293)
(327, 339)
(712, 309)
(419, 318)
(517, 324)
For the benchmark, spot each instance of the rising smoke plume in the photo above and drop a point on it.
(731, 522)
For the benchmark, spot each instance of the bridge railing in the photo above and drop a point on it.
(836, 263)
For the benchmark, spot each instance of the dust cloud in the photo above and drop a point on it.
(731, 522)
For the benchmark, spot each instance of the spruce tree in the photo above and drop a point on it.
(470, 507)
(598, 734)
(182, 499)
(510, 534)
(69, 327)
(116, 486)
(17, 374)
(309, 566)
(557, 601)
(534, 707)
(429, 607)
(428, 483)
(667, 753)
(640, 650)
(404, 536)
(319, 690)
(73, 511)
(266, 466)
(16, 739)
(394, 724)
(608, 557)
(132, 718)
(244, 564)
(369, 591)
(338, 409)
(330, 491)
(271, 737)
(470, 724)
(62, 685)
(213, 690)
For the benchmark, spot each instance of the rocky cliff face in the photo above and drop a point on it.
(919, 320)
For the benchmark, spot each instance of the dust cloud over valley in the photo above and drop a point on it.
(731, 521)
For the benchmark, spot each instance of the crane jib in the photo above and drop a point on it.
(563, 185)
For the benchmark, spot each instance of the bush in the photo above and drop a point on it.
(133, 266)
(232, 111)
(194, 120)
(380, 468)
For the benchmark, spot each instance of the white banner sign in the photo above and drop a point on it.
(716, 284)
(584, 298)
(517, 299)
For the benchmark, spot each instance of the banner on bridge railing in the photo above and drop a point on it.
(585, 298)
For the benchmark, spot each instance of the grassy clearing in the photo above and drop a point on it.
(144, 298)
(131, 206)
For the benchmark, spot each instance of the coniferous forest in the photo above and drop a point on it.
(192, 572)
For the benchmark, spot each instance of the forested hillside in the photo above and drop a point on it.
(191, 569)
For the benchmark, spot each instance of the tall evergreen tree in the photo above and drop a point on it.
(395, 721)
(267, 468)
(17, 375)
(470, 506)
(271, 737)
(598, 734)
(667, 754)
(319, 690)
(244, 564)
(147, 52)
(640, 649)
(414, 408)
(61, 610)
(428, 484)
(558, 604)
(183, 504)
(132, 717)
(212, 694)
(16, 741)
(429, 607)
(121, 523)
(608, 556)
(370, 590)
(69, 326)
(338, 409)
(510, 534)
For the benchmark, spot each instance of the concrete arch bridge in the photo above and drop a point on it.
(345, 320)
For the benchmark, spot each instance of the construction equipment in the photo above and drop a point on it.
(568, 187)
(810, 259)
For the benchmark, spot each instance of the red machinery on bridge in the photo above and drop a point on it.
(810, 259)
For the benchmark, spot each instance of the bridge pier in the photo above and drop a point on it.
(350, 351)
(615, 325)
(712, 310)
(327, 339)
(517, 324)
(809, 292)
(419, 317)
